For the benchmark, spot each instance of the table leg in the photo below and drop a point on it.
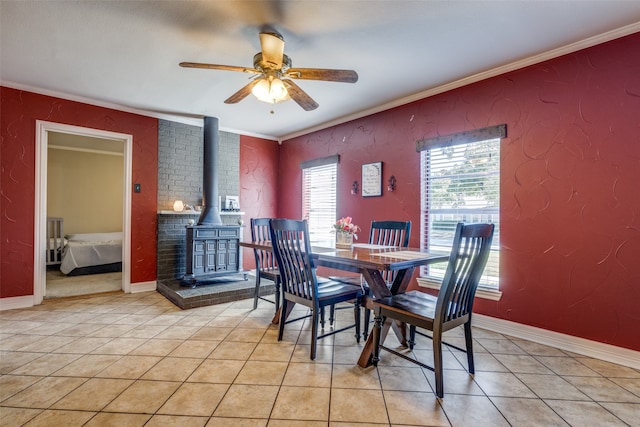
(400, 329)
(276, 318)
(376, 283)
(367, 351)
(380, 290)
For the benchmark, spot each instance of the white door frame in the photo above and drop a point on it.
(42, 143)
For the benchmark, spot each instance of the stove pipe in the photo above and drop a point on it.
(210, 210)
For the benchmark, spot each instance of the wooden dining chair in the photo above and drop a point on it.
(390, 233)
(290, 240)
(451, 308)
(386, 233)
(266, 266)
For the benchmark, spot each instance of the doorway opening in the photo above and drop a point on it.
(94, 212)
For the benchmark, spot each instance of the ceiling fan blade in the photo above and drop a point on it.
(272, 46)
(242, 93)
(219, 67)
(344, 76)
(300, 96)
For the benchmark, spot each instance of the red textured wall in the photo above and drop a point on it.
(258, 180)
(570, 184)
(18, 116)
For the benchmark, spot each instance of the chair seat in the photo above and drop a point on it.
(417, 303)
(351, 280)
(271, 274)
(330, 290)
(322, 280)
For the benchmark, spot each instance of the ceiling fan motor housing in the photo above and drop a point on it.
(260, 64)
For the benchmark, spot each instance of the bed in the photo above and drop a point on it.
(92, 253)
(55, 240)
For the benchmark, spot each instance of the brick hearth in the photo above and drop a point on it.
(217, 291)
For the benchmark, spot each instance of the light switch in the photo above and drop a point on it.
(136, 188)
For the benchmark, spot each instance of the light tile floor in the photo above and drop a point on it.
(137, 360)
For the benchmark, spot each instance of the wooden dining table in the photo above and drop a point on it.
(370, 260)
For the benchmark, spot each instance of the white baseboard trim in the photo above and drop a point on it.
(598, 350)
(143, 286)
(12, 303)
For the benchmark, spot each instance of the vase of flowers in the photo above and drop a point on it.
(345, 231)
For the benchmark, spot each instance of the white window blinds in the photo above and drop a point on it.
(460, 183)
(319, 199)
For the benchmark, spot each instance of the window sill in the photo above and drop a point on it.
(485, 293)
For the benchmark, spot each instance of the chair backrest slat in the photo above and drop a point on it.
(265, 260)
(469, 254)
(290, 240)
(390, 233)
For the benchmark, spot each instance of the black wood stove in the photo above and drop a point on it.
(213, 248)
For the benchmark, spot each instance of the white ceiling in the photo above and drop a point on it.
(125, 54)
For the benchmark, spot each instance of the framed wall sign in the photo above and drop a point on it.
(372, 179)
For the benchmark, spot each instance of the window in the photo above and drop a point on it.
(319, 182)
(460, 182)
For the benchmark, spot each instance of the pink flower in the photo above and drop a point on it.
(344, 225)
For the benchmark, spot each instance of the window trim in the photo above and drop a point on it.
(461, 138)
(323, 163)
(466, 137)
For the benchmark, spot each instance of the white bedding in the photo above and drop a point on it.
(94, 237)
(84, 250)
(55, 243)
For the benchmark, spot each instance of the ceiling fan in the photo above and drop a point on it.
(274, 71)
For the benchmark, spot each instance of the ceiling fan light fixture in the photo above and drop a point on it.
(270, 65)
(271, 90)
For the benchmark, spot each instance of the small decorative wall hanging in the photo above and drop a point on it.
(354, 188)
(372, 179)
(391, 185)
